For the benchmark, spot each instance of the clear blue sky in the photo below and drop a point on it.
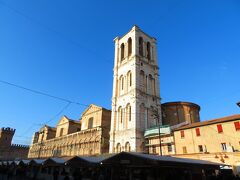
(65, 48)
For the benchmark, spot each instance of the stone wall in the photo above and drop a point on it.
(87, 142)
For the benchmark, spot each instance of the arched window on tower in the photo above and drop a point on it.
(127, 147)
(145, 84)
(129, 46)
(149, 51)
(122, 87)
(140, 45)
(120, 114)
(122, 51)
(142, 80)
(142, 116)
(151, 85)
(121, 84)
(129, 77)
(128, 114)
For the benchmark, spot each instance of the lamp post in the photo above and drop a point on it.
(157, 116)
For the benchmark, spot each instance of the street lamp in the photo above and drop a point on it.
(157, 116)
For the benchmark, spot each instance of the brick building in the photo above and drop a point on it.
(9, 151)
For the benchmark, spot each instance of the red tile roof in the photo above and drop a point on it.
(209, 122)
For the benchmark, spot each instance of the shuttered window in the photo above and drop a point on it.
(197, 132)
(182, 134)
(237, 125)
(219, 128)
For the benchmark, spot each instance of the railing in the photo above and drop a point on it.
(165, 129)
(69, 136)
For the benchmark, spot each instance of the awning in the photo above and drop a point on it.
(36, 161)
(138, 159)
(55, 161)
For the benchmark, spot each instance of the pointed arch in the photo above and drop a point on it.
(120, 115)
(142, 80)
(118, 148)
(140, 45)
(122, 51)
(127, 147)
(142, 115)
(129, 46)
(151, 85)
(129, 112)
(90, 123)
(128, 115)
(129, 78)
(148, 51)
(121, 84)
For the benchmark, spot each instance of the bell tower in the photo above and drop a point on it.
(6, 135)
(135, 91)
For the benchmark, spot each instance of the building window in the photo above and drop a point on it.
(61, 132)
(148, 51)
(150, 84)
(122, 51)
(142, 115)
(90, 123)
(224, 146)
(129, 112)
(129, 46)
(118, 148)
(129, 77)
(198, 132)
(120, 114)
(184, 150)
(169, 147)
(142, 83)
(219, 128)
(140, 44)
(122, 82)
(182, 134)
(237, 125)
(127, 147)
(200, 148)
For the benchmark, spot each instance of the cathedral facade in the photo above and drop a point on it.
(87, 136)
(136, 98)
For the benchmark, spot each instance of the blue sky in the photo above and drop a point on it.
(65, 48)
